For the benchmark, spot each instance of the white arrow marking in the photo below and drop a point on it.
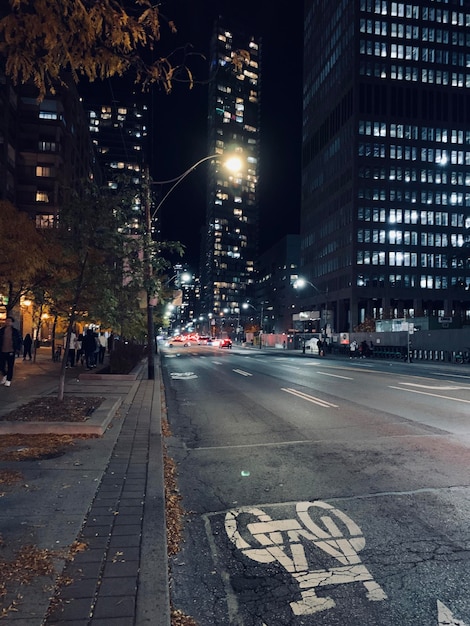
(445, 616)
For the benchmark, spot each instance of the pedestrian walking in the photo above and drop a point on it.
(10, 345)
(364, 349)
(353, 349)
(111, 342)
(27, 345)
(102, 350)
(89, 348)
(79, 354)
(72, 350)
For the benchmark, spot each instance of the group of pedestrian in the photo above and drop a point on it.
(360, 351)
(88, 349)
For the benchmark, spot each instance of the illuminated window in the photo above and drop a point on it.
(47, 146)
(47, 115)
(42, 196)
(42, 170)
(44, 221)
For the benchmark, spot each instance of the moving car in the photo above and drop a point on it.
(225, 343)
(179, 342)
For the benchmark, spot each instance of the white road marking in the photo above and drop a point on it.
(243, 373)
(445, 616)
(328, 528)
(335, 375)
(447, 374)
(434, 395)
(450, 388)
(312, 399)
(217, 362)
(183, 375)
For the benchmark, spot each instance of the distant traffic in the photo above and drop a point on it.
(197, 340)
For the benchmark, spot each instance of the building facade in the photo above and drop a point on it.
(8, 138)
(230, 238)
(118, 123)
(278, 270)
(385, 219)
(45, 149)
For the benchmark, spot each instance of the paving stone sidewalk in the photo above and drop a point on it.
(106, 492)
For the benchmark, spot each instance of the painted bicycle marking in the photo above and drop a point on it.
(281, 540)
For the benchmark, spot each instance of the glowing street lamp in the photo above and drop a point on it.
(245, 305)
(300, 283)
(233, 163)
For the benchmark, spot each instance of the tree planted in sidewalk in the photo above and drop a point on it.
(94, 239)
(25, 255)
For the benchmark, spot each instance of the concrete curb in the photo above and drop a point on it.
(153, 592)
(96, 425)
(90, 376)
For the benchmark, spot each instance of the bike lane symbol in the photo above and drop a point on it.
(281, 540)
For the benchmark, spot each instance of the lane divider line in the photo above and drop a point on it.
(335, 375)
(313, 399)
(434, 395)
(243, 373)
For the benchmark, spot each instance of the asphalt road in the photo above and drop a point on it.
(320, 492)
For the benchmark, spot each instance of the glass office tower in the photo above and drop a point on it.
(385, 224)
(230, 240)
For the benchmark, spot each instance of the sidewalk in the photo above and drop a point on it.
(106, 492)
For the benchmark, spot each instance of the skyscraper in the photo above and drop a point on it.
(45, 148)
(385, 223)
(231, 231)
(117, 121)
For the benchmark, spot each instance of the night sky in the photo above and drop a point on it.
(179, 131)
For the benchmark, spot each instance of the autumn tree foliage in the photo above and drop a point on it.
(24, 254)
(367, 326)
(88, 38)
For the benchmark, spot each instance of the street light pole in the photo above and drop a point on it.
(299, 284)
(151, 348)
(261, 325)
(234, 164)
(245, 305)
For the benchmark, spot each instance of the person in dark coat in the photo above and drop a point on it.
(89, 348)
(27, 344)
(10, 345)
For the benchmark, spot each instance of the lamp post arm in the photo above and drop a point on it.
(179, 179)
(316, 288)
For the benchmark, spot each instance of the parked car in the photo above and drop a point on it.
(225, 343)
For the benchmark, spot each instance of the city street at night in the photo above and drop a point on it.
(319, 491)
